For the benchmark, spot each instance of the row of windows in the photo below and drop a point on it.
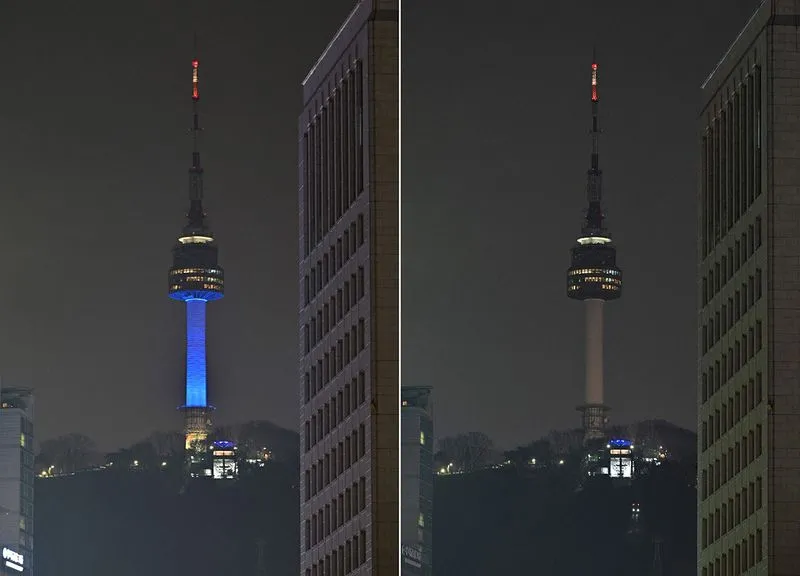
(333, 159)
(732, 361)
(729, 313)
(344, 560)
(332, 363)
(599, 279)
(740, 559)
(732, 412)
(333, 260)
(208, 279)
(600, 271)
(729, 464)
(730, 262)
(605, 286)
(330, 314)
(211, 287)
(736, 510)
(336, 411)
(336, 462)
(731, 162)
(195, 271)
(337, 513)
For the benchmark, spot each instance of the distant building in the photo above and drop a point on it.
(348, 288)
(748, 285)
(16, 481)
(416, 484)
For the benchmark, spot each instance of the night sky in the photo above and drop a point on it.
(94, 153)
(496, 114)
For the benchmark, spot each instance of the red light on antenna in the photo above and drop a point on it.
(594, 66)
(195, 64)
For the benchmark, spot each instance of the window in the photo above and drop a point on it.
(364, 545)
(758, 335)
(758, 232)
(422, 438)
(759, 545)
(360, 229)
(759, 388)
(759, 440)
(759, 495)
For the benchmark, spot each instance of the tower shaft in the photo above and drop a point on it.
(196, 353)
(594, 409)
(594, 351)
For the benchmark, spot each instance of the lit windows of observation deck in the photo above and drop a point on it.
(601, 283)
(196, 283)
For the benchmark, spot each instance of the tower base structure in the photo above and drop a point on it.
(594, 421)
(197, 426)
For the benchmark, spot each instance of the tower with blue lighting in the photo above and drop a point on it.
(594, 278)
(196, 279)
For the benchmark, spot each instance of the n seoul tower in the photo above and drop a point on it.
(196, 279)
(594, 278)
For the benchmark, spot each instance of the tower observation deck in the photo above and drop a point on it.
(594, 278)
(196, 278)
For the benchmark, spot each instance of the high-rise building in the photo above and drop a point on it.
(16, 480)
(594, 278)
(349, 291)
(749, 302)
(416, 483)
(196, 279)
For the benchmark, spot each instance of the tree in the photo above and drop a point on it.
(467, 452)
(67, 454)
(167, 444)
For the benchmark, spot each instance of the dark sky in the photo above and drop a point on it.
(496, 113)
(94, 153)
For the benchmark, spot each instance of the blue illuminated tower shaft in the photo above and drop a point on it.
(196, 396)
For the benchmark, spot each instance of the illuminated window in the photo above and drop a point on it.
(422, 438)
(421, 520)
(22, 440)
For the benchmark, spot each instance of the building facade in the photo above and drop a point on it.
(749, 302)
(349, 293)
(16, 480)
(416, 484)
